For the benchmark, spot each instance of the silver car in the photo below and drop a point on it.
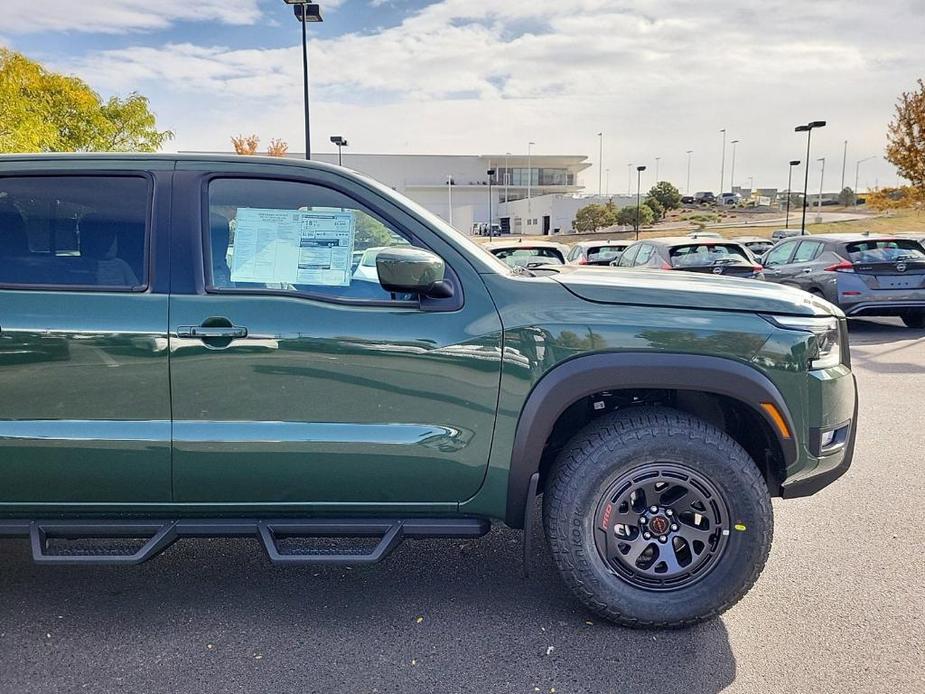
(864, 274)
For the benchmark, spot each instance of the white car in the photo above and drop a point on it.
(366, 271)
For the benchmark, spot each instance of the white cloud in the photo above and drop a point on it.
(659, 76)
(114, 16)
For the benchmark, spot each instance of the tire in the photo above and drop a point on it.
(914, 319)
(624, 444)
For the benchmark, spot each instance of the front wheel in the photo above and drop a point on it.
(656, 518)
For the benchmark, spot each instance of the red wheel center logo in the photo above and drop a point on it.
(659, 525)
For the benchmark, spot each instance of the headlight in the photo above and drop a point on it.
(825, 351)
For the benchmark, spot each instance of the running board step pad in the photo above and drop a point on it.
(154, 536)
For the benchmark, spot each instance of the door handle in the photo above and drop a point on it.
(205, 332)
(807, 270)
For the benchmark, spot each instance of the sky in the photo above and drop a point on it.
(657, 77)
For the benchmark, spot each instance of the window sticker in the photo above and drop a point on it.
(273, 246)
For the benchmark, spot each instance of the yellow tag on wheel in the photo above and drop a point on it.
(740, 527)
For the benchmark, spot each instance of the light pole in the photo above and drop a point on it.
(449, 196)
(507, 178)
(844, 160)
(821, 180)
(639, 170)
(491, 175)
(857, 176)
(808, 129)
(600, 173)
(657, 160)
(732, 174)
(795, 162)
(607, 184)
(306, 12)
(340, 142)
(529, 180)
(722, 168)
(689, 153)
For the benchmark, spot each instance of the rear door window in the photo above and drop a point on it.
(74, 232)
(628, 257)
(885, 251)
(807, 251)
(645, 253)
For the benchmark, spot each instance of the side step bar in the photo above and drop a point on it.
(155, 536)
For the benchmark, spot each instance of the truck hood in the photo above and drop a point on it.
(688, 290)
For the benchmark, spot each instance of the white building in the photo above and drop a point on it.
(455, 187)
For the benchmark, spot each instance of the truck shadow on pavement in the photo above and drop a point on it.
(447, 616)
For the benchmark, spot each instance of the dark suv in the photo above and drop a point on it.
(189, 348)
(864, 274)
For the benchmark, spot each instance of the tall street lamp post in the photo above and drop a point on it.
(449, 197)
(722, 167)
(821, 180)
(507, 177)
(689, 153)
(491, 175)
(732, 173)
(844, 161)
(808, 129)
(857, 176)
(639, 170)
(795, 162)
(340, 142)
(306, 12)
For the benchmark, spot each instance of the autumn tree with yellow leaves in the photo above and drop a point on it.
(906, 138)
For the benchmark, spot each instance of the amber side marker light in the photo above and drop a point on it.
(777, 418)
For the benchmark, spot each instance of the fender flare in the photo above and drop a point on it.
(583, 376)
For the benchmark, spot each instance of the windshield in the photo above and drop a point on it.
(885, 251)
(707, 254)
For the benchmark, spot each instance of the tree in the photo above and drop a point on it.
(906, 137)
(245, 145)
(592, 217)
(277, 148)
(846, 198)
(627, 216)
(657, 209)
(44, 111)
(667, 196)
(896, 198)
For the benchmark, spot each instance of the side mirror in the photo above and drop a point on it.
(409, 270)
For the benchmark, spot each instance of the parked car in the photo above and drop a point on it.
(863, 274)
(756, 244)
(729, 199)
(718, 257)
(520, 253)
(779, 234)
(687, 200)
(705, 198)
(249, 386)
(596, 252)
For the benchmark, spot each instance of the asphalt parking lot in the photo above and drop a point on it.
(839, 608)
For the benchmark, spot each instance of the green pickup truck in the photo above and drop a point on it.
(211, 346)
